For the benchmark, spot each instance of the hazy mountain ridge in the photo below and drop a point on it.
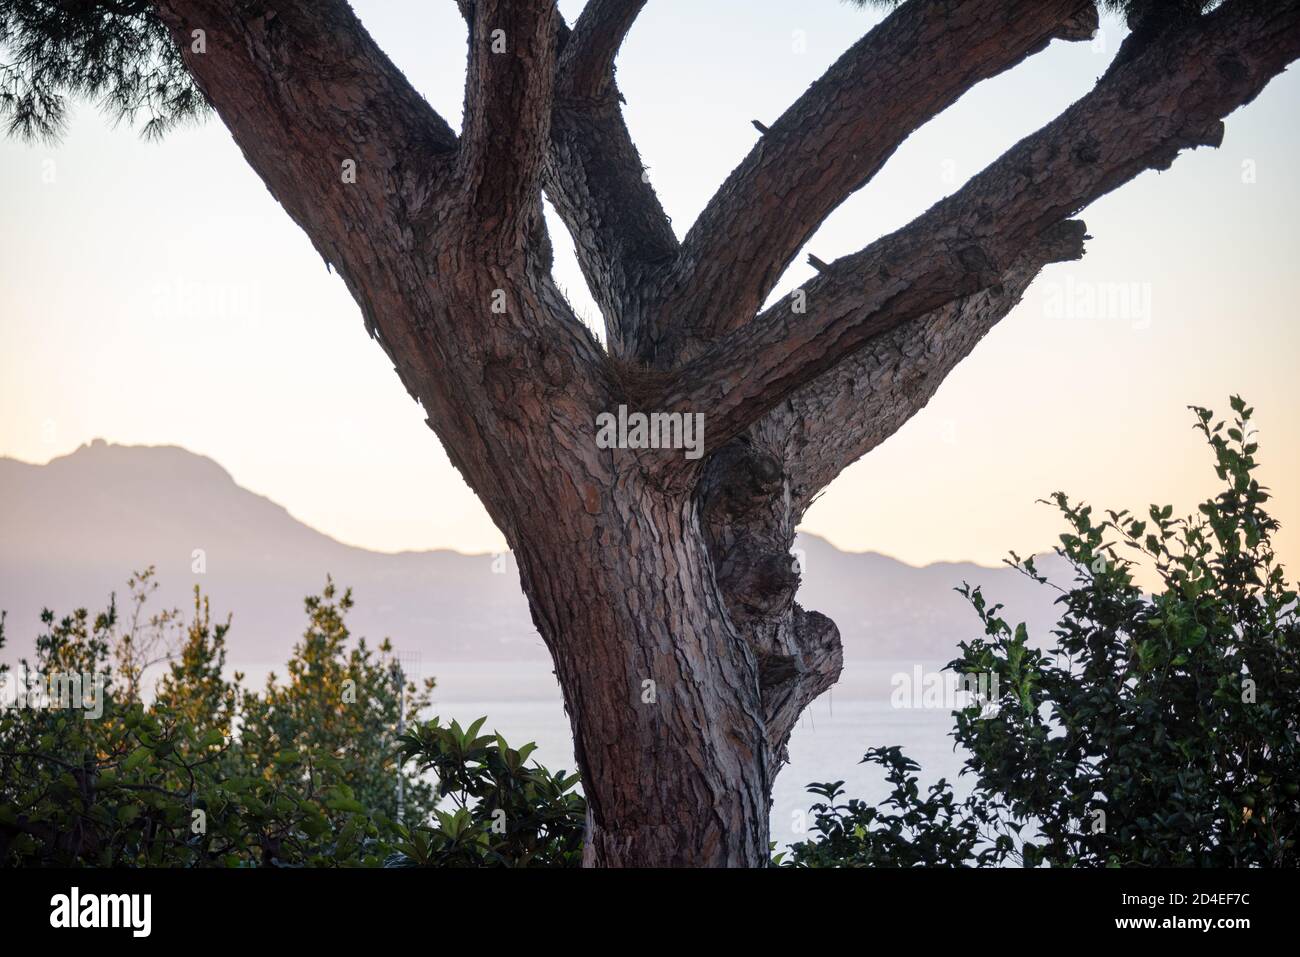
(71, 531)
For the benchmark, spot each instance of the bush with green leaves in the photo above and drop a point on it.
(305, 773)
(1162, 729)
(904, 830)
(502, 811)
(344, 700)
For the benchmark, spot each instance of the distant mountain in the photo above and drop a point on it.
(71, 531)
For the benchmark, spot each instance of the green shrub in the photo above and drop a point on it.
(503, 812)
(1161, 730)
(304, 773)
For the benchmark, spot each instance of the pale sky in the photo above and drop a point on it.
(156, 294)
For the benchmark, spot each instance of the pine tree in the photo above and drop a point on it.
(662, 583)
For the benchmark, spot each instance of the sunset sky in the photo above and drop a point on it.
(155, 293)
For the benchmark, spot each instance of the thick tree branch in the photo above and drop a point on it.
(512, 58)
(337, 133)
(836, 137)
(1171, 97)
(475, 327)
(595, 178)
(321, 114)
(755, 490)
(588, 61)
(845, 413)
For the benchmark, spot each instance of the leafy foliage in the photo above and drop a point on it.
(116, 53)
(906, 830)
(338, 700)
(306, 773)
(502, 811)
(1161, 730)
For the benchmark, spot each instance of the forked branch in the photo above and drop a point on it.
(1139, 117)
(835, 138)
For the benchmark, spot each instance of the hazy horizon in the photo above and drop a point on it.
(77, 528)
(100, 441)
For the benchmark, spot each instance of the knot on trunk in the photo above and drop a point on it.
(749, 532)
(749, 524)
(809, 663)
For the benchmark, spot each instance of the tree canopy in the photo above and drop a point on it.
(116, 54)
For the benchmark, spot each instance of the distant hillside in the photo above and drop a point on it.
(72, 531)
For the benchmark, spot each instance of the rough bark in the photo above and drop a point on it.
(664, 587)
(664, 698)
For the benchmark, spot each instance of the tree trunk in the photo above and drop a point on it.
(684, 661)
(661, 691)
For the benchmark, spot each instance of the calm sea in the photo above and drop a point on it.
(522, 702)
